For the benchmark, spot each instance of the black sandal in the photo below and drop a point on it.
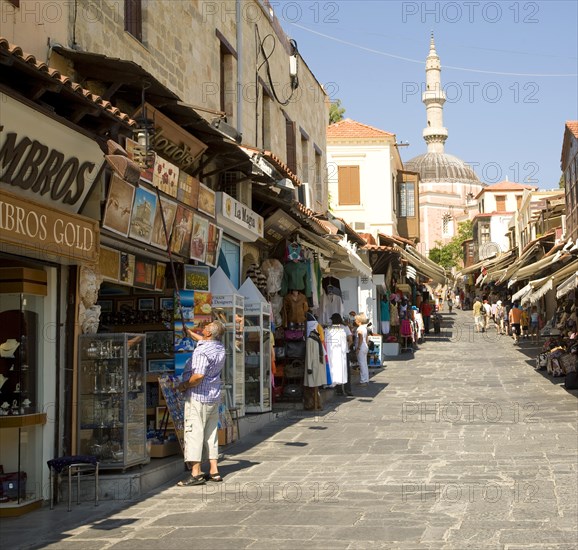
(193, 480)
(214, 477)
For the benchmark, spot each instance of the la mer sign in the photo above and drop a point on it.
(45, 160)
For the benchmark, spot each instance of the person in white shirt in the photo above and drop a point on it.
(361, 348)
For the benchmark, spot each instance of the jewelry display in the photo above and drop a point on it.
(112, 413)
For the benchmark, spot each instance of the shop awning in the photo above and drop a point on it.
(567, 286)
(422, 265)
(522, 292)
(542, 286)
(536, 268)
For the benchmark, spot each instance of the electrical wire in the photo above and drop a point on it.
(266, 57)
(421, 62)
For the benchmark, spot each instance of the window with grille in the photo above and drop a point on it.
(348, 185)
(447, 225)
(406, 200)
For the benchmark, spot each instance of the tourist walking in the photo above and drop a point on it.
(361, 348)
(514, 318)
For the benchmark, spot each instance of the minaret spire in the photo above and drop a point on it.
(433, 98)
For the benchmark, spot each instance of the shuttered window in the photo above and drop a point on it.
(291, 145)
(501, 203)
(348, 185)
(133, 18)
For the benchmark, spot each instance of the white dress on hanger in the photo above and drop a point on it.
(336, 342)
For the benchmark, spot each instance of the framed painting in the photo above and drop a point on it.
(160, 276)
(181, 238)
(161, 365)
(145, 273)
(197, 277)
(167, 303)
(146, 304)
(143, 215)
(126, 275)
(188, 192)
(168, 209)
(109, 263)
(166, 176)
(117, 212)
(199, 238)
(206, 203)
(213, 245)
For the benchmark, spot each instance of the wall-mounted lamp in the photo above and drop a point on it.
(226, 130)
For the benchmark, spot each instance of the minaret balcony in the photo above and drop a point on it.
(433, 96)
(435, 134)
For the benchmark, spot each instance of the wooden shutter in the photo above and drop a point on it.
(348, 185)
(501, 203)
(133, 18)
(291, 145)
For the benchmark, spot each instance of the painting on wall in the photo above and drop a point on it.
(143, 215)
(169, 211)
(206, 200)
(199, 238)
(109, 263)
(188, 192)
(118, 206)
(126, 275)
(145, 273)
(181, 239)
(166, 176)
(213, 245)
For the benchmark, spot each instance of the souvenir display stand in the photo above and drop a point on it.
(257, 349)
(374, 355)
(111, 399)
(21, 423)
(228, 307)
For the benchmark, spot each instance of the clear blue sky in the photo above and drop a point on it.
(506, 112)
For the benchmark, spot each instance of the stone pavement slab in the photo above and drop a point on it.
(464, 445)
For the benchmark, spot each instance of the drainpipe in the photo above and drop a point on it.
(239, 21)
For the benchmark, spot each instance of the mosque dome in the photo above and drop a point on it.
(441, 167)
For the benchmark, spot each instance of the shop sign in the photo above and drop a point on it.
(171, 142)
(226, 300)
(30, 228)
(45, 160)
(238, 219)
(278, 226)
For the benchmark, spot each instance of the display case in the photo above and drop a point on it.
(111, 399)
(257, 358)
(257, 349)
(21, 423)
(228, 307)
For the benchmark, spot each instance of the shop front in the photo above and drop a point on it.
(47, 170)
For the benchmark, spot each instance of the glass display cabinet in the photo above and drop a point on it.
(21, 422)
(228, 305)
(111, 399)
(257, 357)
(229, 310)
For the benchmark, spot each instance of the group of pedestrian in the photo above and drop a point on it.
(508, 319)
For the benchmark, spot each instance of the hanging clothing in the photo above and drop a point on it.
(394, 314)
(294, 309)
(273, 270)
(315, 374)
(310, 260)
(330, 304)
(257, 276)
(331, 286)
(277, 308)
(296, 277)
(336, 342)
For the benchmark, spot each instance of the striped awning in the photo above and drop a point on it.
(567, 286)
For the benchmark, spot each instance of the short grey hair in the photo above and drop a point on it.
(217, 329)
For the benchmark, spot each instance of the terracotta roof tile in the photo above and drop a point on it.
(12, 50)
(572, 125)
(348, 128)
(509, 186)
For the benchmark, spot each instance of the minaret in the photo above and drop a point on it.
(435, 134)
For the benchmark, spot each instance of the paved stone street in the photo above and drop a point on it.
(465, 446)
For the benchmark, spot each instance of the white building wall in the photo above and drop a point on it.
(498, 233)
(376, 186)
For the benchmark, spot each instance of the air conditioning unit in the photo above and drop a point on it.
(306, 195)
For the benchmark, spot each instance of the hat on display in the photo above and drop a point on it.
(336, 319)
